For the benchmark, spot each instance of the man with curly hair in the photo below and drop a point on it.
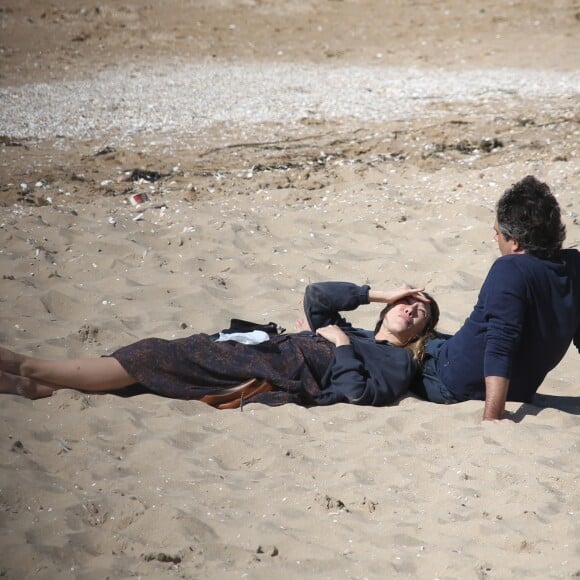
(526, 316)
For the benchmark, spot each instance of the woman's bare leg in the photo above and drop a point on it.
(10, 361)
(85, 374)
(17, 385)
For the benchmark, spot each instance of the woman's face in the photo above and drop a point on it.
(407, 318)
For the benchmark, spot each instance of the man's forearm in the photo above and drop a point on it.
(496, 389)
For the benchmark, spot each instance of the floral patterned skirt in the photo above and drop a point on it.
(290, 367)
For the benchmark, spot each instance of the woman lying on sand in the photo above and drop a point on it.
(327, 361)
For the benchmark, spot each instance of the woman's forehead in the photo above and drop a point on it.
(413, 300)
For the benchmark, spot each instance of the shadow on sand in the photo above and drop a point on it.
(562, 403)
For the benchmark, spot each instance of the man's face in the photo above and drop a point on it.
(505, 246)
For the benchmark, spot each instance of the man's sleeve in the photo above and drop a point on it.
(577, 339)
(504, 293)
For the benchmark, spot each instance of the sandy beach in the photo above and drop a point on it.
(276, 144)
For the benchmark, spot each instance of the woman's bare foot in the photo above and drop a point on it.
(10, 361)
(15, 385)
(302, 324)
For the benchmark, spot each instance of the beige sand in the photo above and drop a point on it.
(246, 214)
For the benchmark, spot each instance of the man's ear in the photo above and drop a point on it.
(516, 247)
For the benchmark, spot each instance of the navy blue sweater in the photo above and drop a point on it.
(526, 316)
(366, 372)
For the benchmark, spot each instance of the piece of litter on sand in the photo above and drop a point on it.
(63, 445)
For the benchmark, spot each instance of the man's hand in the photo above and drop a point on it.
(496, 389)
(334, 334)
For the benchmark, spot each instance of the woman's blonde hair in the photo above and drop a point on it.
(416, 346)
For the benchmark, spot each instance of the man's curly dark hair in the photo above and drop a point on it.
(529, 213)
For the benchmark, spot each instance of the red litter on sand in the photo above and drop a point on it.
(138, 198)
